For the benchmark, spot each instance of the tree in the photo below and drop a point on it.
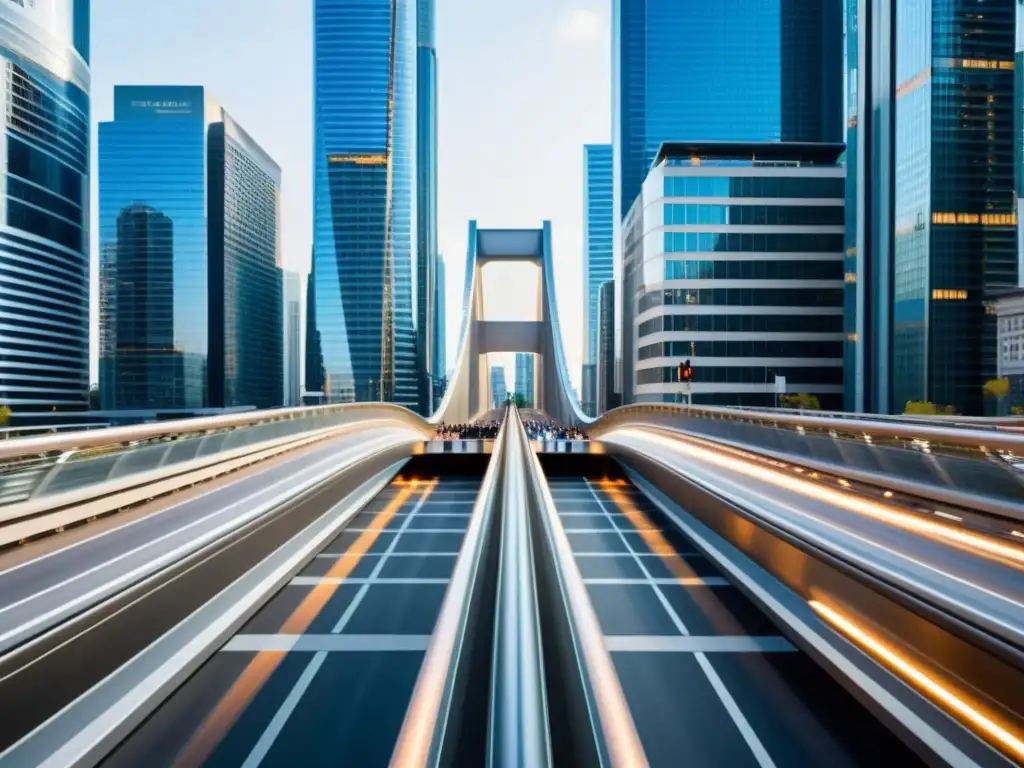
(5, 415)
(998, 389)
(924, 408)
(801, 402)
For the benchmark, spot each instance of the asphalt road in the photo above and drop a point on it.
(38, 594)
(323, 673)
(708, 678)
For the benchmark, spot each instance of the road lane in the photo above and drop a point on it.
(323, 673)
(708, 678)
(40, 593)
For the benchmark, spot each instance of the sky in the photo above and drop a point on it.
(522, 87)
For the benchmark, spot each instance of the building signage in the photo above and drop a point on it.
(164, 106)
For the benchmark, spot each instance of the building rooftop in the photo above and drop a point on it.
(793, 151)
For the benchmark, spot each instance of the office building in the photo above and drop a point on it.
(364, 200)
(440, 329)
(598, 236)
(525, 377)
(931, 224)
(692, 70)
(292, 337)
(734, 261)
(190, 277)
(499, 390)
(426, 202)
(315, 380)
(1008, 307)
(605, 386)
(44, 235)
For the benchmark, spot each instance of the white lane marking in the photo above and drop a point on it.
(321, 643)
(707, 581)
(697, 644)
(151, 566)
(161, 512)
(339, 555)
(269, 735)
(738, 718)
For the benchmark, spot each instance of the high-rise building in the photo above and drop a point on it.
(292, 337)
(598, 236)
(44, 235)
(606, 397)
(440, 329)
(190, 276)
(364, 200)
(931, 224)
(499, 390)
(744, 70)
(734, 256)
(525, 377)
(315, 382)
(426, 202)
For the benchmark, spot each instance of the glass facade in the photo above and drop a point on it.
(499, 390)
(364, 201)
(936, 228)
(525, 377)
(598, 234)
(744, 70)
(190, 279)
(292, 337)
(760, 297)
(426, 202)
(44, 227)
(440, 328)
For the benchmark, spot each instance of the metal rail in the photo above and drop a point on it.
(518, 731)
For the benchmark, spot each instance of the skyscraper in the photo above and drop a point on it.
(426, 201)
(292, 337)
(499, 390)
(598, 234)
(744, 70)
(931, 224)
(440, 329)
(190, 278)
(364, 200)
(44, 236)
(525, 377)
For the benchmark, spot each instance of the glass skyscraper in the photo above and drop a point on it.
(426, 201)
(364, 201)
(931, 121)
(743, 70)
(440, 340)
(44, 230)
(598, 234)
(190, 278)
(292, 337)
(499, 390)
(525, 377)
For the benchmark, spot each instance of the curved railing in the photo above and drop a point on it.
(34, 468)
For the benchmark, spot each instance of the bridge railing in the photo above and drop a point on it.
(33, 469)
(984, 464)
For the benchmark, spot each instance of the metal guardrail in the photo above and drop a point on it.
(519, 733)
(38, 467)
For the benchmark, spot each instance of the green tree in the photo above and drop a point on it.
(801, 402)
(5, 415)
(925, 408)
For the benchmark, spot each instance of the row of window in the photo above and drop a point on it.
(734, 374)
(758, 297)
(787, 215)
(753, 186)
(744, 324)
(743, 242)
(756, 348)
(706, 269)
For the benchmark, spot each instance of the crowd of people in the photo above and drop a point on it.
(552, 430)
(485, 430)
(488, 430)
